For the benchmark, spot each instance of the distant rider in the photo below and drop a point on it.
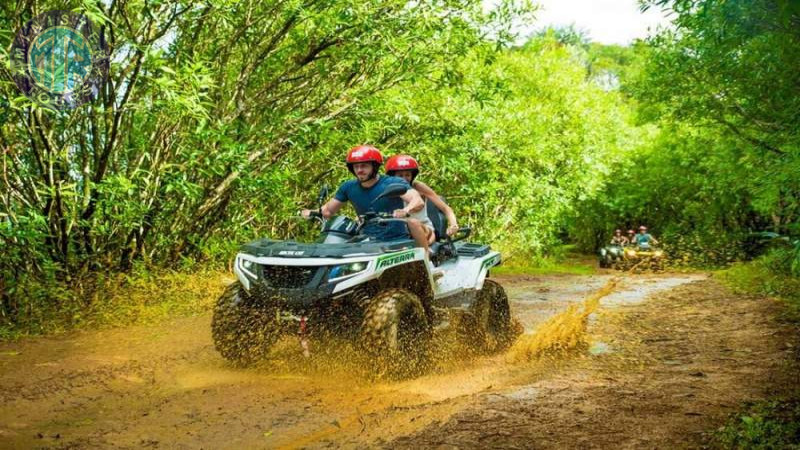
(631, 237)
(363, 162)
(619, 239)
(643, 239)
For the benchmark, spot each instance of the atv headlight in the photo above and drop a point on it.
(630, 252)
(658, 253)
(345, 270)
(248, 267)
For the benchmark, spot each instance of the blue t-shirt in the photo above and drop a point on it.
(361, 198)
(643, 239)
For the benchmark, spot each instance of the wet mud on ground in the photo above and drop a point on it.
(671, 356)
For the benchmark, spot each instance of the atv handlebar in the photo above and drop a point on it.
(460, 235)
(372, 215)
(312, 214)
(377, 217)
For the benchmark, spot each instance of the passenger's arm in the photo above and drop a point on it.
(431, 195)
(413, 201)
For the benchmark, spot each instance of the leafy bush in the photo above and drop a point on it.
(769, 275)
(766, 425)
(699, 249)
(113, 299)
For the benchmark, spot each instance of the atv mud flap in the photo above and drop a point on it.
(461, 300)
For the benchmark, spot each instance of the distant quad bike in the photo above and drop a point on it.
(610, 255)
(643, 258)
(385, 296)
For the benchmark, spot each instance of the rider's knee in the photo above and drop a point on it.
(414, 223)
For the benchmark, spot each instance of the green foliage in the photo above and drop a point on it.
(765, 425)
(525, 132)
(113, 299)
(206, 130)
(563, 259)
(700, 215)
(569, 35)
(730, 64)
(729, 69)
(769, 275)
(220, 120)
(216, 147)
(722, 158)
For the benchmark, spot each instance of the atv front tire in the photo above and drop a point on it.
(242, 332)
(395, 333)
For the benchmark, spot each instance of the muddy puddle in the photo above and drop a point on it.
(535, 300)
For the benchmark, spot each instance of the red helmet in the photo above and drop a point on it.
(617, 231)
(642, 228)
(402, 162)
(631, 232)
(362, 154)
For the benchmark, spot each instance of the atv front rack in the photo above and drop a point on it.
(472, 250)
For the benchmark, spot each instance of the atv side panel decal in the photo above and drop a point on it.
(394, 259)
(491, 261)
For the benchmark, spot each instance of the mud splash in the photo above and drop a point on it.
(564, 332)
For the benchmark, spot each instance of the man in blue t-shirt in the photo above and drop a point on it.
(363, 162)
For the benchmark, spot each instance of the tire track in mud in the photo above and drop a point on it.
(165, 386)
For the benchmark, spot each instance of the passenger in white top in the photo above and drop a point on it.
(419, 224)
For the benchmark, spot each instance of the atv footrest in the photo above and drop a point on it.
(472, 250)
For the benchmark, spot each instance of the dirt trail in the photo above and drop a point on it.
(672, 355)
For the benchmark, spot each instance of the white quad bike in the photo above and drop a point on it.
(386, 296)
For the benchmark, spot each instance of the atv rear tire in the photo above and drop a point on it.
(490, 329)
(395, 332)
(242, 333)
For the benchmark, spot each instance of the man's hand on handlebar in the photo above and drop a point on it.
(310, 213)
